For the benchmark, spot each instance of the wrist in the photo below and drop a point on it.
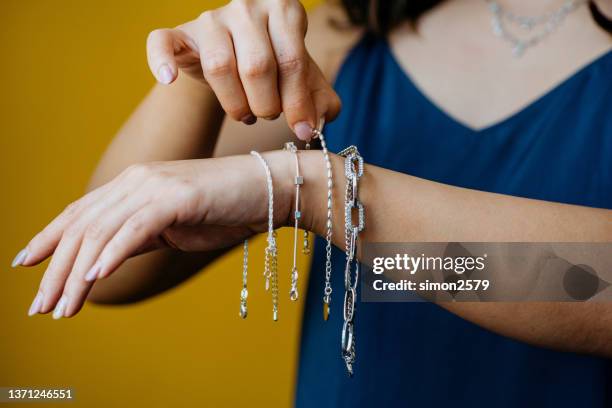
(313, 192)
(313, 197)
(282, 168)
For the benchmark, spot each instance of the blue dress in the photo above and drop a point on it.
(558, 148)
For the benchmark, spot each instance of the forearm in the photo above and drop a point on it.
(402, 208)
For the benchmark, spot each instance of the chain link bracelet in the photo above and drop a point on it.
(353, 171)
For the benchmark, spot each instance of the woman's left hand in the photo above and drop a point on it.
(194, 205)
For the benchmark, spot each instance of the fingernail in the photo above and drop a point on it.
(272, 117)
(36, 305)
(60, 308)
(248, 119)
(20, 258)
(303, 130)
(165, 74)
(92, 274)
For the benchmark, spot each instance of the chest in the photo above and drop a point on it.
(558, 148)
(472, 76)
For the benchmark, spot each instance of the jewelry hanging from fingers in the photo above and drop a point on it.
(271, 251)
(327, 291)
(298, 181)
(353, 171)
(244, 293)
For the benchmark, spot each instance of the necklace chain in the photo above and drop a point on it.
(550, 22)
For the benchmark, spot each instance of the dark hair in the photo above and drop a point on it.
(380, 16)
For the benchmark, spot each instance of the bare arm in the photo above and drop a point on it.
(402, 208)
(204, 212)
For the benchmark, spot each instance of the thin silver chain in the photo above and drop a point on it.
(298, 181)
(271, 251)
(550, 22)
(328, 226)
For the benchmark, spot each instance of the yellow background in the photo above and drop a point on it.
(71, 73)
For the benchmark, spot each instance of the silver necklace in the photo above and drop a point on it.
(548, 21)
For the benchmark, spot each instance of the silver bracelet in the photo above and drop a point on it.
(327, 291)
(298, 181)
(353, 171)
(271, 251)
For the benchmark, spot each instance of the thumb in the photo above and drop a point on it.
(160, 55)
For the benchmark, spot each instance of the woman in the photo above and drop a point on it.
(469, 135)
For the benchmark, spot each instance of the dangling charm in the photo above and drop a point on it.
(293, 293)
(244, 293)
(326, 308)
(306, 246)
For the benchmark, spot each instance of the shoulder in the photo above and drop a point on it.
(330, 37)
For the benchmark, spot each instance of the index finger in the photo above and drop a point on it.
(287, 28)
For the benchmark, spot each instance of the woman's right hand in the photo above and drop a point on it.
(252, 55)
